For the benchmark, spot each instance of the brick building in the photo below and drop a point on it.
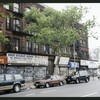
(25, 57)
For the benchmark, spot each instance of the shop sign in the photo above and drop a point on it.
(73, 64)
(19, 58)
(84, 62)
(63, 61)
(40, 60)
(27, 59)
(3, 60)
(92, 64)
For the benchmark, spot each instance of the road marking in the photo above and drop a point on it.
(48, 91)
(89, 94)
(30, 94)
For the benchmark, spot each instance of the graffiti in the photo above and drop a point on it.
(1, 70)
(39, 72)
(12, 70)
(26, 72)
(29, 71)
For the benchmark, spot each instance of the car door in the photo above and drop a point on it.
(53, 80)
(8, 83)
(2, 82)
(81, 75)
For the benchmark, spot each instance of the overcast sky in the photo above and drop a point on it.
(94, 10)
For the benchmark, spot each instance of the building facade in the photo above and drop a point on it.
(27, 58)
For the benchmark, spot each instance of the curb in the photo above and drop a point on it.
(31, 87)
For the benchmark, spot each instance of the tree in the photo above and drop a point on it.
(3, 39)
(57, 29)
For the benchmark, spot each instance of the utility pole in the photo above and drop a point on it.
(74, 53)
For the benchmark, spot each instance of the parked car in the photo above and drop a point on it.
(49, 81)
(78, 76)
(11, 82)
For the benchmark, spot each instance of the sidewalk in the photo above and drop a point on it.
(29, 85)
(93, 78)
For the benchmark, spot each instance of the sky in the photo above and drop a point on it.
(94, 10)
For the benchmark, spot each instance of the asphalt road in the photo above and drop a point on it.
(91, 89)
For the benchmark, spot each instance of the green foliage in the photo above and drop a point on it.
(57, 29)
(3, 39)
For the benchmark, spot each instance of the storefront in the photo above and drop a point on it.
(3, 62)
(92, 66)
(72, 67)
(30, 66)
(40, 67)
(63, 62)
(84, 64)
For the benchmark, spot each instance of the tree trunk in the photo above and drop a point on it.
(56, 68)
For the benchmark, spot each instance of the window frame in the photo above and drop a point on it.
(16, 24)
(16, 8)
(36, 47)
(16, 46)
(2, 78)
(16, 77)
(11, 77)
(28, 46)
(8, 23)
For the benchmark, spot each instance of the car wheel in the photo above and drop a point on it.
(67, 82)
(61, 83)
(47, 85)
(77, 81)
(86, 80)
(17, 88)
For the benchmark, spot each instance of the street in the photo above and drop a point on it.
(91, 89)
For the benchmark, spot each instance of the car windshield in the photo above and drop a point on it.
(74, 73)
(47, 77)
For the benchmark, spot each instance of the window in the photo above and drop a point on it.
(18, 77)
(16, 24)
(28, 46)
(84, 43)
(16, 44)
(6, 6)
(82, 53)
(1, 78)
(8, 23)
(51, 51)
(85, 54)
(64, 50)
(46, 49)
(9, 77)
(36, 47)
(15, 7)
(1, 25)
(81, 43)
